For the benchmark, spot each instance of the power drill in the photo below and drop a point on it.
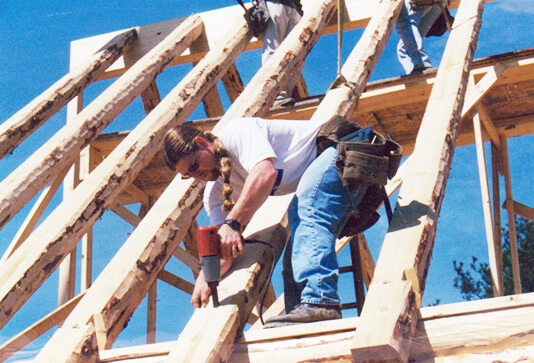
(209, 252)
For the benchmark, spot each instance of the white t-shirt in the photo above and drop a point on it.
(291, 143)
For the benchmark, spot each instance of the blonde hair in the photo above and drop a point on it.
(179, 142)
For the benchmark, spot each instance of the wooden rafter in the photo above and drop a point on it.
(62, 148)
(389, 316)
(23, 123)
(98, 190)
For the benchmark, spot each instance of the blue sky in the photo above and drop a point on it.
(34, 53)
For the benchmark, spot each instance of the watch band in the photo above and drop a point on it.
(234, 224)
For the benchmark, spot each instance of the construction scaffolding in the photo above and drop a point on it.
(430, 114)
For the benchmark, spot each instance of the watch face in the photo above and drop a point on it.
(233, 224)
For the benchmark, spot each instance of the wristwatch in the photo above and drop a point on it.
(234, 224)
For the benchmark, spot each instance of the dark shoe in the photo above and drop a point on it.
(284, 102)
(420, 71)
(305, 313)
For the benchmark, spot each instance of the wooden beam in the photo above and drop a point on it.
(31, 267)
(212, 101)
(122, 285)
(496, 274)
(37, 329)
(176, 281)
(267, 83)
(212, 347)
(217, 23)
(443, 331)
(505, 159)
(125, 214)
(35, 214)
(477, 92)
(489, 126)
(62, 148)
(238, 291)
(23, 123)
(411, 234)
(190, 260)
(232, 83)
(496, 205)
(343, 100)
(152, 297)
(522, 210)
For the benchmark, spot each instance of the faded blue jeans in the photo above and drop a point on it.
(412, 26)
(317, 215)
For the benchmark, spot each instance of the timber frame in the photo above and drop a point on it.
(464, 102)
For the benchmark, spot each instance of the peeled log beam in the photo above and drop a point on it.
(30, 177)
(267, 83)
(123, 284)
(21, 125)
(238, 291)
(44, 249)
(343, 100)
(410, 239)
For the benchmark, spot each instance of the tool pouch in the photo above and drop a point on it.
(257, 19)
(370, 161)
(367, 159)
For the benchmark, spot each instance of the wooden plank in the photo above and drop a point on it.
(522, 210)
(238, 291)
(232, 83)
(122, 285)
(138, 351)
(176, 281)
(35, 214)
(125, 214)
(505, 159)
(496, 208)
(411, 234)
(62, 148)
(478, 91)
(496, 274)
(212, 101)
(37, 329)
(267, 83)
(444, 330)
(467, 325)
(217, 22)
(190, 260)
(152, 297)
(31, 267)
(32, 116)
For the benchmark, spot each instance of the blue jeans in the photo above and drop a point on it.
(412, 26)
(316, 215)
(282, 19)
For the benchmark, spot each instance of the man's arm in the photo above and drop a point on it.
(257, 188)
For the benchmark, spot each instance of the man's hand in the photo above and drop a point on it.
(231, 242)
(201, 292)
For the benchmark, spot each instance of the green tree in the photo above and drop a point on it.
(474, 280)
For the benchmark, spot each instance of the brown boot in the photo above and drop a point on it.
(305, 313)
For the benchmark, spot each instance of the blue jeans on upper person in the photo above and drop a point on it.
(317, 215)
(282, 19)
(412, 26)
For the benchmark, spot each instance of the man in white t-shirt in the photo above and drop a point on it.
(251, 159)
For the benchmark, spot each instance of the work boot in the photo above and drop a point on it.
(284, 102)
(305, 313)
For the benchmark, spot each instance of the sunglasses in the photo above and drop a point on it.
(192, 168)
